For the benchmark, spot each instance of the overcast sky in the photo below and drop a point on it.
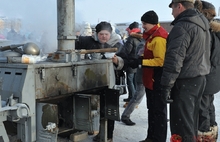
(40, 15)
(93, 11)
(118, 11)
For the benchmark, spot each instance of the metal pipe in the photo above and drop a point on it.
(3, 60)
(66, 24)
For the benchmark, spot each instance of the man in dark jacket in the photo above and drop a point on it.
(208, 129)
(133, 40)
(187, 61)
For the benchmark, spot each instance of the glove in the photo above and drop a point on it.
(136, 63)
(165, 95)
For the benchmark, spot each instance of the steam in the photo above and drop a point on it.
(37, 17)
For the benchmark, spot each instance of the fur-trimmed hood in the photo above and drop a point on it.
(208, 9)
(136, 35)
(215, 26)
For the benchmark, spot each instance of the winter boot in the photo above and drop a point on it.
(96, 138)
(214, 128)
(206, 136)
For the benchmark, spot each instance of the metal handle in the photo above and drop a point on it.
(169, 101)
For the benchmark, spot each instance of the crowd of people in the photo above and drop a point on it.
(180, 67)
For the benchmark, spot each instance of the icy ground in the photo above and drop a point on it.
(124, 133)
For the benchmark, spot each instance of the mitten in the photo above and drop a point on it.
(136, 63)
(165, 94)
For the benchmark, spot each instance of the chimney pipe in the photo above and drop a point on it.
(66, 25)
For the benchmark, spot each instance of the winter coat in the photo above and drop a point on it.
(188, 51)
(153, 58)
(213, 78)
(130, 46)
(139, 54)
(91, 42)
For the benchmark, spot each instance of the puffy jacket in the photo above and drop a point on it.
(188, 48)
(153, 58)
(131, 46)
(213, 78)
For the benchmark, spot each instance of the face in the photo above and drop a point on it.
(104, 36)
(176, 9)
(147, 26)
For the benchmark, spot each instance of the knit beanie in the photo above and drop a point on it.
(133, 25)
(206, 8)
(103, 26)
(150, 17)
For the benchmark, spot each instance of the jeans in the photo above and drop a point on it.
(138, 96)
(131, 84)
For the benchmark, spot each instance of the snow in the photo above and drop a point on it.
(138, 132)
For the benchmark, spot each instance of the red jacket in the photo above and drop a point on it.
(154, 54)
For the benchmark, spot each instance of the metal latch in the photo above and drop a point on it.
(74, 70)
(42, 73)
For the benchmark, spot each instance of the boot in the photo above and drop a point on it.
(127, 121)
(110, 140)
(206, 136)
(146, 140)
(214, 128)
(96, 138)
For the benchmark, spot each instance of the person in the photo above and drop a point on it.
(102, 38)
(185, 66)
(151, 63)
(134, 38)
(87, 30)
(140, 90)
(208, 129)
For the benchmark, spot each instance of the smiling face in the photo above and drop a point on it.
(147, 26)
(104, 36)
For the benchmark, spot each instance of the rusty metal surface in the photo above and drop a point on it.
(50, 79)
(70, 79)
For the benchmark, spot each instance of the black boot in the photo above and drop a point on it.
(127, 121)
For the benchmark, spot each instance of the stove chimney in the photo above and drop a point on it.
(66, 24)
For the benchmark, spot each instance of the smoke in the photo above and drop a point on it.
(38, 18)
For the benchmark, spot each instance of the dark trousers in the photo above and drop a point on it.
(110, 128)
(206, 113)
(184, 111)
(157, 117)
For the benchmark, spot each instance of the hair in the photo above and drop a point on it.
(186, 4)
(208, 9)
(103, 26)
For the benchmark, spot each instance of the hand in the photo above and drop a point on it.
(136, 63)
(165, 95)
(115, 59)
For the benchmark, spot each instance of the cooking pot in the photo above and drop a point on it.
(29, 48)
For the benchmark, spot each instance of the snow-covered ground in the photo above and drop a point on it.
(124, 133)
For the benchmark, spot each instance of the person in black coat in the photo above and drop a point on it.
(208, 129)
(102, 38)
(130, 46)
(187, 62)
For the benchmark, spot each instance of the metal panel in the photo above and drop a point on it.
(112, 104)
(46, 113)
(82, 112)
